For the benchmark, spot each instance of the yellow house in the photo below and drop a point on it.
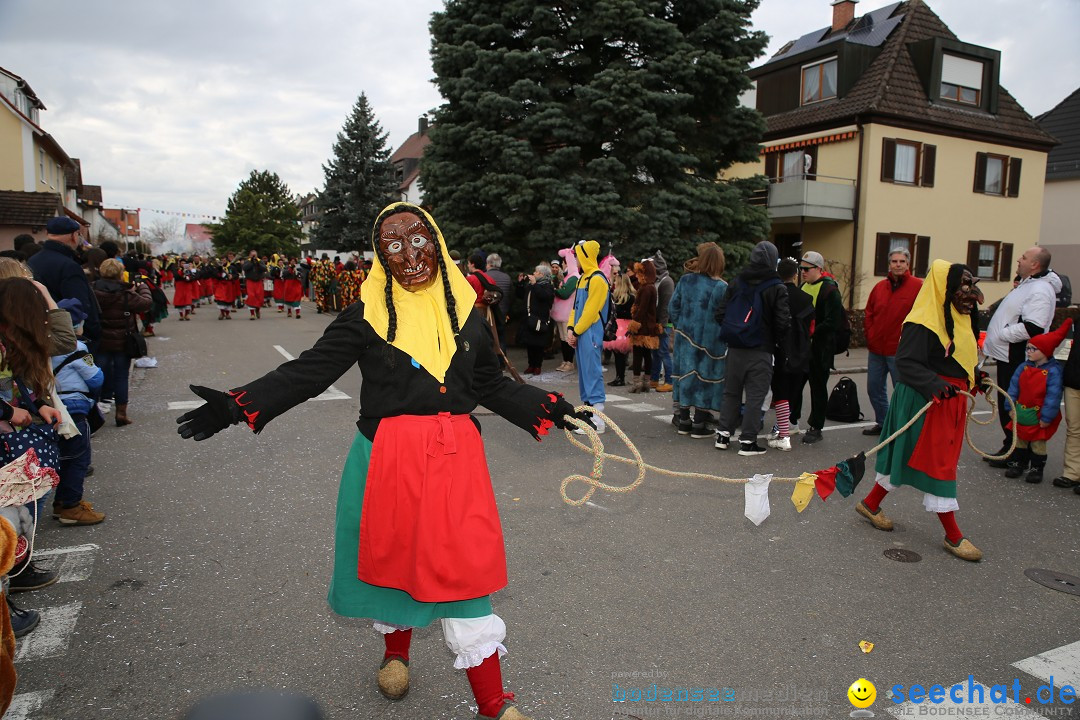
(887, 131)
(33, 166)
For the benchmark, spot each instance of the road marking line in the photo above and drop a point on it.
(641, 407)
(52, 636)
(185, 405)
(66, 550)
(963, 709)
(617, 399)
(331, 393)
(1062, 664)
(25, 703)
(74, 565)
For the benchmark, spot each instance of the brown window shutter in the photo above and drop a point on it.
(772, 164)
(928, 162)
(922, 255)
(973, 257)
(980, 172)
(1014, 177)
(1005, 263)
(888, 159)
(881, 254)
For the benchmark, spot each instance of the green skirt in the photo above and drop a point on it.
(351, 597)
(893, 458)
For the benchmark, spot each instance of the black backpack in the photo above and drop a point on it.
(844, 402)
(492, 295)
(744, 321)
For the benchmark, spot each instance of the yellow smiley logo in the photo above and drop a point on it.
(862, 693)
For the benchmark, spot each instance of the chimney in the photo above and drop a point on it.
(843, 12)
(423, 124)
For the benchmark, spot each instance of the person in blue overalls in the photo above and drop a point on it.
(586, 326)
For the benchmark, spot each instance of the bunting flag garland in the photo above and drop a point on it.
(804, 490)
(851, 473)
(202, 216)
(757, 498)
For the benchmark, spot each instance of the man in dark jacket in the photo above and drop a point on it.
(828, 312)
(55, 268)
(751, 337)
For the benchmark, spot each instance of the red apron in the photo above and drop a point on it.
(255, 293)
(937, 451)
(1033, 395)
(429, 524)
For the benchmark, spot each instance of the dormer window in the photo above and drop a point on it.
(819, 81)
(961, 79)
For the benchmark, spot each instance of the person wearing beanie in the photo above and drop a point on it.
(1036, 387)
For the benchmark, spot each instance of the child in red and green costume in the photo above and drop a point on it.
(1037, 387)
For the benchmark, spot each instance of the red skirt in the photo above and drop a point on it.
(184, 293)
(279, 290)
(224, 291)
(429, 524)
(293, 290)
(255, 293)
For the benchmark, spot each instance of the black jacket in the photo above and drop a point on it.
(55, 268)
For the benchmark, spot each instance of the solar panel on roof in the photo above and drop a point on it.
(807, 41)
(875, 34)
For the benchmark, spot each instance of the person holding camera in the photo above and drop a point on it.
(120, 305)
(535, 331)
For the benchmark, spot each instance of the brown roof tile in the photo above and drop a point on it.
(890, 88)
(28, 208)
(413, 147)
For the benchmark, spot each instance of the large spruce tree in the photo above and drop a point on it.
(605, 119)
(261, 215)
(359, 182)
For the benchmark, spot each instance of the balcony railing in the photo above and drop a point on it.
(811, 197)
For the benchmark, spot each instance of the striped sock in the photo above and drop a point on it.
(783, 412)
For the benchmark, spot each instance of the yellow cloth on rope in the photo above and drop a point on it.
(929, 311)
(424, 332)
(804, 491)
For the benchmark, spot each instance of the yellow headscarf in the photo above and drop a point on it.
(929, 311)
(424, 332)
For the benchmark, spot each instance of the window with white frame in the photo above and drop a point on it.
(907, 162)
(997, 174)
(41, 164)
(819, 81)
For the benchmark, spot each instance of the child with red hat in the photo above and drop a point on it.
(1036, 388)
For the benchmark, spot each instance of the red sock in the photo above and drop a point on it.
(873, 500)
(952, 531)
(397, 644)
(486, 682)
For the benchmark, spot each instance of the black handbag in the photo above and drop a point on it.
(134, 342)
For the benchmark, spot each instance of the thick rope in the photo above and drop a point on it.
(599, 455)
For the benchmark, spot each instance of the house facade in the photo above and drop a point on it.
(406, 162)
(33, 176)
(1061, 198)
(886, 131)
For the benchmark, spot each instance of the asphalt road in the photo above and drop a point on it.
(211, 570)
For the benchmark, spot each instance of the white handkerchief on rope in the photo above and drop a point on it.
(757, 498)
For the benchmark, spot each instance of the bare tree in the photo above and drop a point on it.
(166, 232)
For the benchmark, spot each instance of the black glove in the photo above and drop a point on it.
(982, 382)
(564, 410)
(946, 392)
(218, 413)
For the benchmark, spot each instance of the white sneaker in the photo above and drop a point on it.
(780, 443)
(105, 406)
(794, 430)
(599, 430)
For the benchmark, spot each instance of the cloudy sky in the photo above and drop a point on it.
(169, 105)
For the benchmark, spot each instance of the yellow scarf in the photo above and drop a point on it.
(424, 332)
(929, 311)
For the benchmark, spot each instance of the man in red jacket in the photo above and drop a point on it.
(889, 303)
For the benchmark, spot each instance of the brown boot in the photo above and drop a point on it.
(635, 384)
(121, 416)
